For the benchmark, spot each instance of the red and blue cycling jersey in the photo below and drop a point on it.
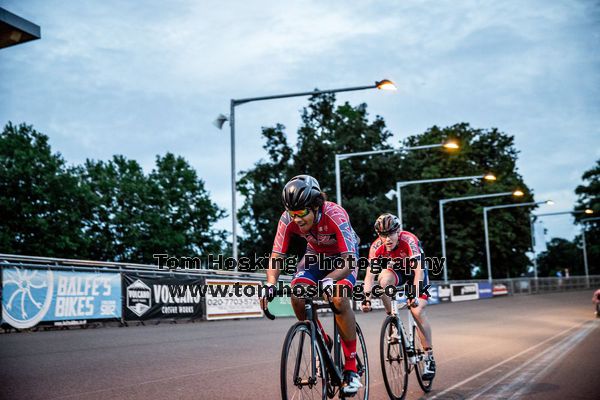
(408, 247)
(331, 233)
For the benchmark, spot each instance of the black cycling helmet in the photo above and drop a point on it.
(300, 192)
(387, 223)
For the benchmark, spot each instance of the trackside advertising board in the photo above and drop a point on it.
(500, 289)
(464, 291)
(225, 304)
(281, 306)
(443, 292)
(485, 290)
(32, 296)
(434, 297)
(154, 297)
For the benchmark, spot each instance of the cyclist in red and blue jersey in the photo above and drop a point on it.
(327, 230)
(400, 247)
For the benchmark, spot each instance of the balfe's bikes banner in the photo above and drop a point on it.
(33, 296)
(153, 297)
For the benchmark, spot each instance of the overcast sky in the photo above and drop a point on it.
(143, 78)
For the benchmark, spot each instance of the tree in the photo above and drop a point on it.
(102, 210)
(120, 209)
(42, 201)
(182, 213)
(560, 254)
(136, 216)
(325, 131)
(589, 197)
(480, 151)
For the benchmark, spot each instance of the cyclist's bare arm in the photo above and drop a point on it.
(273, 271)
(369, 281)
(368, 286)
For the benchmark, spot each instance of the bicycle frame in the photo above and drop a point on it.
(409, 339)
(317, 337)
(332, 365)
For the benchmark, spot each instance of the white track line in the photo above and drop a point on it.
(529, 368)
(485, 371)
(549, 361)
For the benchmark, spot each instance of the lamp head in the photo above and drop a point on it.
(451, 145)
(518, 193)
(489, 177)
(385, 84)
(220, 121)
(390, 195)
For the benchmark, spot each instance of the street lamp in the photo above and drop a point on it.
(400, 185)
(516, 193)
(533, 217)
(384, 84)
(345, 156)
(485, 226)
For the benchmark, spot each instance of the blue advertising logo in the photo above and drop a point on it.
(26, 296)
(30, 296)
(485, 290)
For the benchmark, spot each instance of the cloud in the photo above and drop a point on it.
(113, 77)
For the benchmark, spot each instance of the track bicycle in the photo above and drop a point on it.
(309, 369)
(401, 351)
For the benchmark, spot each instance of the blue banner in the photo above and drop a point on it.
(31, 296)
(485, 290)
(435, 297)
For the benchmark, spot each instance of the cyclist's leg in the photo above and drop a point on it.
(420, 315)
(388, 277)
(424, 330)
(346, 323)
(342, 301)
(307, 275)
(303, 276)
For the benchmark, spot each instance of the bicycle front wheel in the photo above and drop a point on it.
(298, 380)
(394, 363)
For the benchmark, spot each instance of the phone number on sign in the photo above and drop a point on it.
(236, 302)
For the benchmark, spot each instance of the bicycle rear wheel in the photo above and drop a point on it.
(421, 354)
(394, 363)
(297, 378)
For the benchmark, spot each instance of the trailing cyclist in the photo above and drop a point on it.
(327, 230)
(399, 247)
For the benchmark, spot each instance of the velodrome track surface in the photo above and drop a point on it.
(532, 347)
